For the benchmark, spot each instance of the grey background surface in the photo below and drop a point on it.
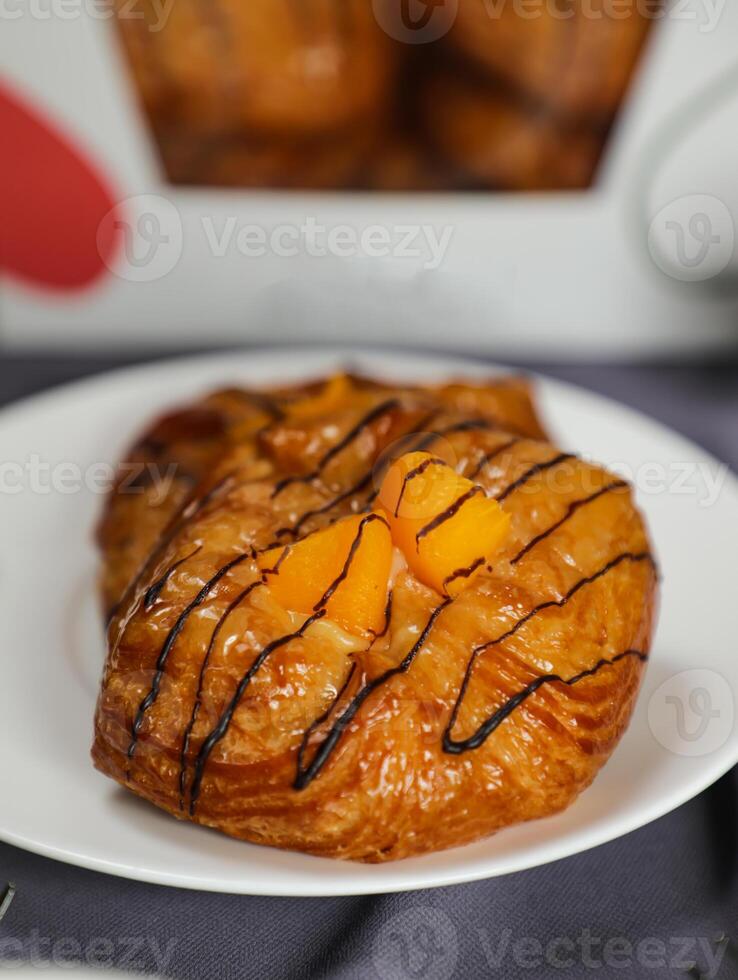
(653, 904)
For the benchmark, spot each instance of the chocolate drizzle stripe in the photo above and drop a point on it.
(334, 502)
(407, 439)
(582, 583)
(261, 400)
(447, 514)
(550, 604)
(223, 724)
(425, 441)
(416, 471)
(570, 511)
(195, 507)
(241, 597)
(155, 590)
(456, 747)
(278, 564)
(305, 775)
(379, 468)
(531, 472)
(166, 649)
(323, 717)
(377, 412)
(355, 544)
(468, 425)
(492, 455)
(221, 728)
(384, 408)
(462, 572)
(387, 617)
(365, 480)
(187, 513)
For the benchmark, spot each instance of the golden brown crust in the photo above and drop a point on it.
(367, 749)
(160, 473)
(161, 470)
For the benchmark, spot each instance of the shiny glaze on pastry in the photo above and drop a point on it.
(387, 696)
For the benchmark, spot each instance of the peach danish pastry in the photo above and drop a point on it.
(367, 620)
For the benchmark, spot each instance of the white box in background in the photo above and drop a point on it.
(558, 275)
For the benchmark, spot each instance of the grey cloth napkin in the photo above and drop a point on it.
(661, 902)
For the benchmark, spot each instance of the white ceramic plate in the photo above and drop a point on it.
(682, 737)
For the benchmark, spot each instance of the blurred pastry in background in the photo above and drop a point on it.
(575, 57)
(320, 162)
(270, 66)
(494, 140)
(406, 163)
(281, 93)
(314, 93)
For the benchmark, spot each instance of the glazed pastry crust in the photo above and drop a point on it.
(162, 469)
(571, 593)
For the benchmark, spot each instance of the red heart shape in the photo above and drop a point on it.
(53, 201)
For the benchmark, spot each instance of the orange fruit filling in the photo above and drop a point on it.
(343, 568)
(445, 525)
